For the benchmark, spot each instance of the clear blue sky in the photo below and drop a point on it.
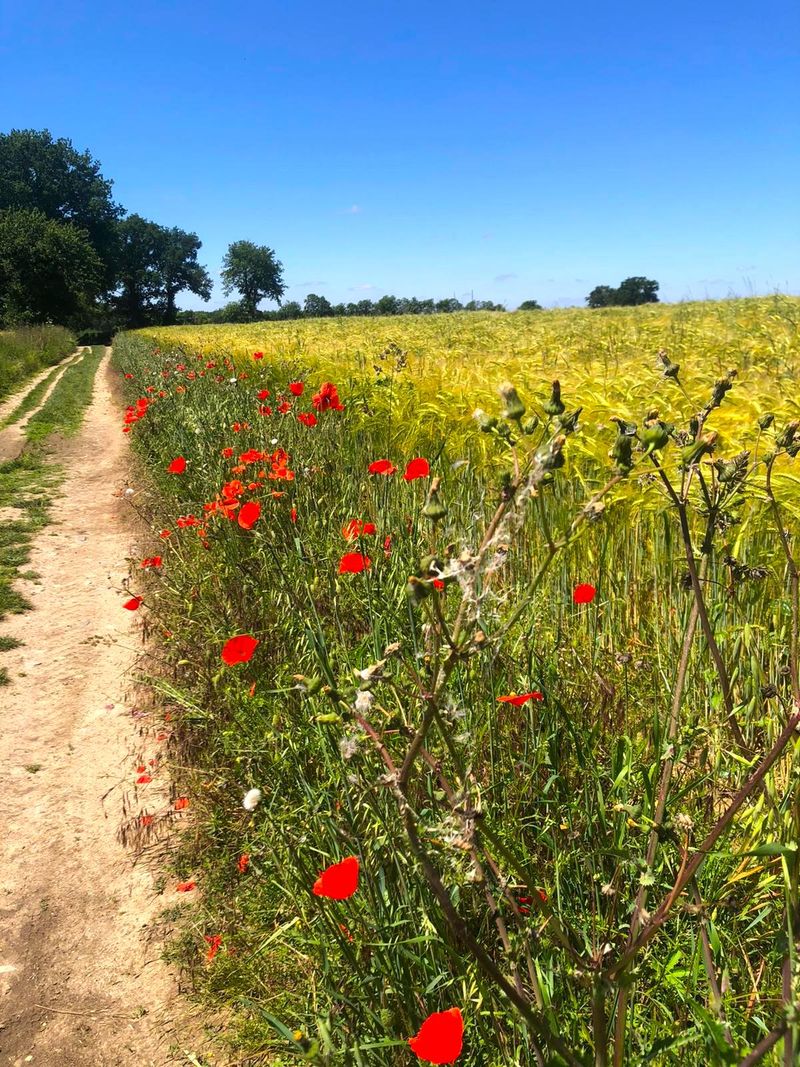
(513, 150)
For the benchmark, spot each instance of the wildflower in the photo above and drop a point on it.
(248, 514)
(258, 355)
(185, 887)
(583, 594)
(354, 563)
(355, 528)
(416, 468)
(296, 388)
(514, 408)
(308, 418)
(143, 779)
(177, 466)
(165, 534)
(181, 803)
(145, 820)
(382, 466)
(243, 863)
(214, 942)
(363, 701)
(327, 399)
(239, 649)
(151, 561)
(339, 881)
(523, 698)
(134, 603)
(251, 799)
(440, 1038)
(348, 746)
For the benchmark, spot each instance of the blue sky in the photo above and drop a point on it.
(510, 150)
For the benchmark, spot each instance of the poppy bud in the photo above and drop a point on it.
(417, 591)
(434, 508)
(765, 422)
(569, 423)
(554, 406)
(530, 425)
(721, 387)
(514, 408)
(621, 454)
(786, 436)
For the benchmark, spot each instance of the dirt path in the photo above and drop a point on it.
(81, 981)
(12, 438)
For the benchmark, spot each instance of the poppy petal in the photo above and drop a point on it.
(583, 594)
(339, 881)
(178, 465)
(239, 649)
(440, 1038)
(417, 468)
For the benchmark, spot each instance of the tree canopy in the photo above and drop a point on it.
(254, 272)
(49, 271)
(632, 291)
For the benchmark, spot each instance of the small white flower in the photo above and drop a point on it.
(251, 799)
(274, 441)
(129, 492)
(364, 701)
(233, 381)
(348, 746)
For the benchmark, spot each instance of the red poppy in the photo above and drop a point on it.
(583, 594)
(382, 466)
(129, 376)
(440, 1038)
(293, 514)
(133, 604)
(151, 561)
(243, 863)
(256, 355)
(239, 649)
(284, 407)
(143, 779)
(178, 465)
(264, 410)
(354, 563)
(165, 534)
(296, 388)
(327, 399)
(227, 453)
(141, 768)
(355, 528)
(145, 820)
(181, 803)
(185, 887)
(339, 881)
(214, 942)
(248, 514)
(523, 698)
(263, 394)
(417, 468)
(308, 418)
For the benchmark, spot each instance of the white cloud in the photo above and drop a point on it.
(364, 288)
(504, 277)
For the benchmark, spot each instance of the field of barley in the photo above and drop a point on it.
(479, 649)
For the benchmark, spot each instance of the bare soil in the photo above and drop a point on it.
(82, 983)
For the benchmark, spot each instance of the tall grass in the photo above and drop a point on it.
(605, 873)
(29, 349)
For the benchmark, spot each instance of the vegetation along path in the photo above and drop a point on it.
(79, 982)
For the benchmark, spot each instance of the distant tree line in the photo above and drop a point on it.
(319, 307)
(71, 255)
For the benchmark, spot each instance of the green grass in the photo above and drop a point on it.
(26, 351)
(32, 399)
(63, 412)
(29, 483)
(558, 797)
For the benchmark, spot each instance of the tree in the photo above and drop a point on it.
(637, 290)
(317, 307)
(602, 296)
(253, 271)
(155, 264)
(632, 291)
(49, 271)
(178, 267)
(387, 305)
(52, 177)
(530, 305)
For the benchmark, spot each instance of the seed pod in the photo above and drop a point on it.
(654, 436)
(434, 507)
(554, 406)
(627, 429)
(551, 456)
(694, 452)
(621, 454)
(514, 408)
(765, 421)
(787, 434)
(568, 424)
(486, 423)
(530, 425)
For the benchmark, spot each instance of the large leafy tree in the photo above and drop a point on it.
(52, 177)
(155, 264)
(631, 291)
(254, 272)
(49, 271)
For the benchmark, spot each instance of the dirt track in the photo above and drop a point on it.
(81, 980)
